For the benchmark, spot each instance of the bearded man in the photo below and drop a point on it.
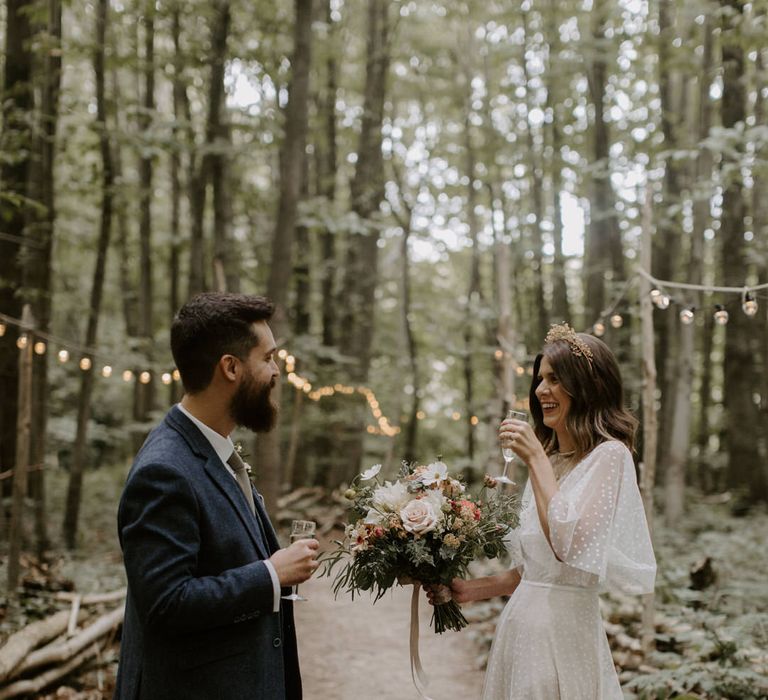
(204, 614)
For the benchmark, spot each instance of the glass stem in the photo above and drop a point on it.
(507, 462)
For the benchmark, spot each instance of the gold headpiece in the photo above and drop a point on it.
(562, 331)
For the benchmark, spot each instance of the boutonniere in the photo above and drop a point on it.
(240, 449)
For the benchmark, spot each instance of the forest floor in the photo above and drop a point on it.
(711, 642)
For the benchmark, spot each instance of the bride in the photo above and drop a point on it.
(582, 530)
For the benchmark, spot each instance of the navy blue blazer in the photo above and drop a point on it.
(198, 618)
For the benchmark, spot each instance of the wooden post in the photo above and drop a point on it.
(650, 419)
(23, 428)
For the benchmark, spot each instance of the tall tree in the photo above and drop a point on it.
(145, 386)
(361, 266)
(74, 490)
(739, 365)
(281, 265)
(602, 247)
(38, 257)
(681, 414)
(15, 148)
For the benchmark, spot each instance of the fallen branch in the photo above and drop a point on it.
(35, 685)
(93, 598)
(56, 653)
(28, 638)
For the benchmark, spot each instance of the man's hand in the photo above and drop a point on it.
(295, 564)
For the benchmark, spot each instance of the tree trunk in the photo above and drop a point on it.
(746, 468)
(561, 308)
(224, 251)
(326, 181)
(16, 145)
(602, 245)
(680, 431)
(37, 261)
(361, 268)
(20, 477)
(327, 452)
(267, 446)
(650, 419)
(145, 390)
(473, 292)
(74, 490)
(535, 168)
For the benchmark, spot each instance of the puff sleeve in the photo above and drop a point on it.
(598, 523)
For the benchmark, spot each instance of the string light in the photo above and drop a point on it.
(749, 304)
(63, 356)
(598, 329)
(176, 375)
(166, 378)
(22, 341)
(40, 348)
(85, 364)
(145, 377)
(2, 329)
(661, 300)
(127, 375)
(687, 316)
(617, 321)
(721, 315)
(106, 371)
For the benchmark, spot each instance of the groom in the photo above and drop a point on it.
(204, 618)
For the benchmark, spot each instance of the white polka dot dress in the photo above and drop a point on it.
(550, 643)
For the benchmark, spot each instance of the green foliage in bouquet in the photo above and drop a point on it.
(423, 528)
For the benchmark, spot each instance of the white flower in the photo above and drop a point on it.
(390, 497)
(370, 473)
(419, 516)
(373, 517)
(434, 474)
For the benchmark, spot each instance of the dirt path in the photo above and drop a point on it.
(359, 651)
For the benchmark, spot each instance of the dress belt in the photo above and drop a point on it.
(561, 586)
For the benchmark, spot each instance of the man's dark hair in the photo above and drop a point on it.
(211, 325)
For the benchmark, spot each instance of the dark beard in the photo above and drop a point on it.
(252, 407)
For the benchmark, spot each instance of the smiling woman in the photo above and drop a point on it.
(582, 529)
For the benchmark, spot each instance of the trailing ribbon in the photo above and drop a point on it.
(420, 679)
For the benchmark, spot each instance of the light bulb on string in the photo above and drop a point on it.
(749, 304)
(127, 375)
(145, 377)
(721, 315)
(22, 341)
(617, 321)
(687, 315)
(2, 329)
(166, 378)
(85, 364)
(40, 348)
(63, 356)
(106, 371)
(661, 300)
(598, 329)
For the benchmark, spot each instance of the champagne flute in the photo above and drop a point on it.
(507, 452)
(300, 530)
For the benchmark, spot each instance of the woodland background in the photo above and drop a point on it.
(422, 187)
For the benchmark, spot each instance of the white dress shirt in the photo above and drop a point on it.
(224, 447)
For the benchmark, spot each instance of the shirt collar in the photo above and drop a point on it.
(223, 446)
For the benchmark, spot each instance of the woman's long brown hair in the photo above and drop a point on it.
(597, 411)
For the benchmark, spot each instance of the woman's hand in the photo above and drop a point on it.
(459, 590)
(519, 436)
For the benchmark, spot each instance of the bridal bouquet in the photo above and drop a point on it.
(423, 528)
